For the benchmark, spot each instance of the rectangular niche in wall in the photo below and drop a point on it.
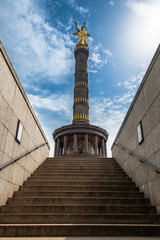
(19, 131)
(140, 132)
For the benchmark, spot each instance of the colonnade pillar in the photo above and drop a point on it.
(65, 144)
(105, 149)
(86, 143)
(95, 145)
(75, 143)
(58, 147)
(102, 147)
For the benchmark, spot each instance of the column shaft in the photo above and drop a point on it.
(105, 148)
(102, 147)
(65, 145)
(95, 145)
(58, 147)
(75, 143)
(86, 143)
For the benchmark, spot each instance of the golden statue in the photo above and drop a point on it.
(82, 34)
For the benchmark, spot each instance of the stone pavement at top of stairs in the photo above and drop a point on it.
(82, 238)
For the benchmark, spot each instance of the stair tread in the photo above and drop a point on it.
(87, 213)
(79, 224)
(118, 198)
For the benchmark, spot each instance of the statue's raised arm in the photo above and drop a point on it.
(76, 33)
(77, 27)
(82, 34)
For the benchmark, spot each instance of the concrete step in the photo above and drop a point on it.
(78, 208)
(78, 159)
(131, 194)
(85, 165)
(34, 177)
(80, 174)
(70, 200)
(80, 168)
(88, 172)
(80, 183)
(76, 166)
(58, 188)
(82, 161)
(80, 164)
(50, 218)
(45, 230)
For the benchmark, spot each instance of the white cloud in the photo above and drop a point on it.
(93, 71)
(81, 10)
(108, 53)
(70, 24)
(125, 98)
(96, 58)
(39, 47)
(36, 89)
(78, 8)
(141, 32)
(58, 103)
(134, 80)
(145, 8)
(111, 3)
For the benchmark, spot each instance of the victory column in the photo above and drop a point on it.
(80, 138)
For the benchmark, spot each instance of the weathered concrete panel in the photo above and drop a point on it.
(14, 106)
(145, 108)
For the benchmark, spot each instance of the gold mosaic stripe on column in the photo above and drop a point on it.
(81, 68)
(80, 116)
(81, 99)
(81, 84)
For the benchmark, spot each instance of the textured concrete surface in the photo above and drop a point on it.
(86, 238)
(145, 108)
(14, 106)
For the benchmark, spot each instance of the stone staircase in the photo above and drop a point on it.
(78, 197)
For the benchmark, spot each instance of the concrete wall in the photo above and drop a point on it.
(14, 106)
(146, 108)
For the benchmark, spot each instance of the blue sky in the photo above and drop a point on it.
(38, 37)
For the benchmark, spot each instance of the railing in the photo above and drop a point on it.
(21, 156)
(139, 158)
